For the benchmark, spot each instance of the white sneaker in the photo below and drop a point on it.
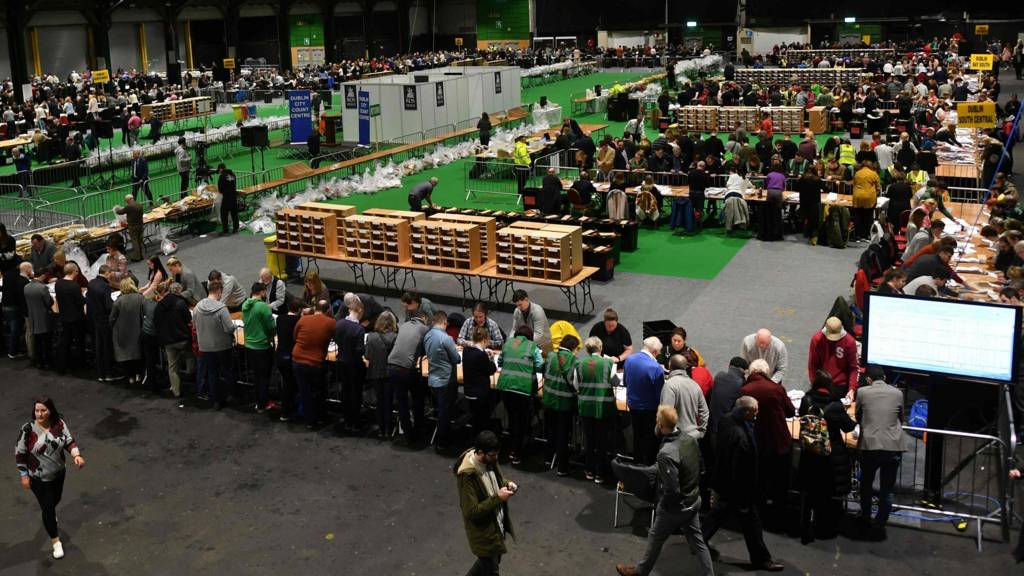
(58, 550)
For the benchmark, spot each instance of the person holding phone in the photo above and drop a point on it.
(483, 496)
(39, 455)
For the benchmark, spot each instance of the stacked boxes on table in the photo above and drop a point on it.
(376, 238)
(488, 230)
(700, 118)
(729, 117)
(786, 119)
(389, 213)
(785, 76)
(339, 210)
(446, 245)
(540, 251)
(307, 232)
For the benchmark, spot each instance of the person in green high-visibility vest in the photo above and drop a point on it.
(594, 386)
(560, 399)
(520, 361)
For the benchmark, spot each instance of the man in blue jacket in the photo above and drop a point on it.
(439, 349)
(140, 175)
(644, 377)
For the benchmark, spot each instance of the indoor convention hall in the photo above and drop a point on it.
(318, 286)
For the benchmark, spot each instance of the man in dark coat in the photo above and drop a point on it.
(98, 303)
(228, 188)
(774, 440)
(586, 144)
(726, 391)
(735, 480)
(550, 193)
(483, 497)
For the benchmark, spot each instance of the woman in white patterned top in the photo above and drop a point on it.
(39, 456)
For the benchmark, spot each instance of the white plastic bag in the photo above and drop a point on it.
(120, 220)
(94, 270)
(167, 246)
(74, 253)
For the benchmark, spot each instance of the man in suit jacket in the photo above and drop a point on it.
(39, 307)
(880, 415)
(71, 313)
(98, 302)
(14, 307)
(736, 481)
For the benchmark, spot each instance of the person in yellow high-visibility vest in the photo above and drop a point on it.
(522, 161)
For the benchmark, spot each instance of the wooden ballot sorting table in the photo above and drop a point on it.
(485, 261)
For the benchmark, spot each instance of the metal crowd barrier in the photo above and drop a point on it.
(967, 195)
(971, 483)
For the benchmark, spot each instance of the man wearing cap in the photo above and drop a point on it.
(835, 351)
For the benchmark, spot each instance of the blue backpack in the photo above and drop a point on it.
(918, 417)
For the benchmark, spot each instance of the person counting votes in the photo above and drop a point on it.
(478, 320)
(684, 395)
(559, 399)
(931, 284)
(420, 192)
(477, 370)
(596, 377)
(233, 296)
(531, 315)
(439, 350)
(677, 345)
(765, 346)
(644, 379)
(774, 441)
(616, 341)
(893, 281)
(924, 265)
(520, 362)
(834, 351)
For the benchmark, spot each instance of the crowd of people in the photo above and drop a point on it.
(169, 331)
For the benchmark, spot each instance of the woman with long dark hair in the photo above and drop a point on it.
(39, 455)
(157, 275)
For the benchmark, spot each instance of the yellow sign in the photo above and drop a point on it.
(981, 29)
(100, 76)
(976, 115)
(229, 63)
(982, 61)
(458, 41)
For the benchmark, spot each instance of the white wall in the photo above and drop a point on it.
(764, 39)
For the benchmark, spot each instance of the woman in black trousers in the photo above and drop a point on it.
(824, 478)
(477, 370)
(39, 455)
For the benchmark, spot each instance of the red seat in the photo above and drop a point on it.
(861, 285)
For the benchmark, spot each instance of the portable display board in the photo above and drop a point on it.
(440, 94)
(982, 61)
(458, 41)
(100, 76)
(409, 97)
(976, 114)
(497, 82)
(229, 63)
(364, 118)
(350, 97)
(300, 105)
(981, 29)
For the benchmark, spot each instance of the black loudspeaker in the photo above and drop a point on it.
(174, 73)
(543, 101)
(104, 129)
(255, 136)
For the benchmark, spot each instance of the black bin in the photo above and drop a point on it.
(660, 329)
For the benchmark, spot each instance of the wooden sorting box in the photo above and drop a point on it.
(178, 109)
(445, 245)
(817, 120)
(729, 117)
(551, 252)
(306, 232)
(409, 215)
(699, 118)
(375, 238)
(488, 230)
(786, 119)
(339, 210)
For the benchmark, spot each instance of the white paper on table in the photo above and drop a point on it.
(950, 227)
(238, 323)
(969, 270)
(970, 260)
(832, 197)
(992, 294)
(665, 190)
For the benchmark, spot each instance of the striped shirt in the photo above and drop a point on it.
(40, 452)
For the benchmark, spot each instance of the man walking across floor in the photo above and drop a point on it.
(678, 469)
(140, 175)
(483, 497)
(735, 481)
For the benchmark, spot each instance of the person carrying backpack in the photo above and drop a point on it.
(824, 473)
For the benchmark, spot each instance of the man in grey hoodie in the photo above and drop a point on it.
(403, 364)
(215, 332)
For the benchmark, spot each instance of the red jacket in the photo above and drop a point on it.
(838, 358)
(703, 378)
(774, 406)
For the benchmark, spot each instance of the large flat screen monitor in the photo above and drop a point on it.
(956, 338)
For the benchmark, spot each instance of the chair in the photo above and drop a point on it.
(531, 198)
(618, 205)
(633, 481)
(576, 203)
